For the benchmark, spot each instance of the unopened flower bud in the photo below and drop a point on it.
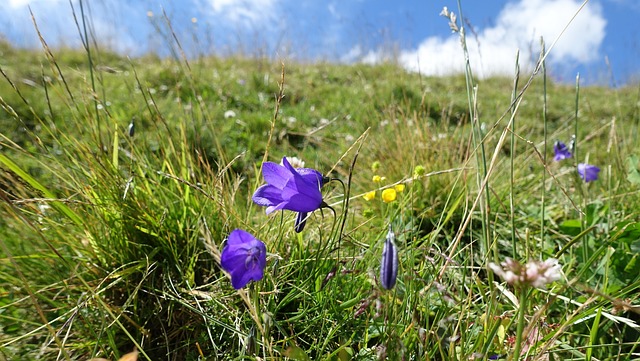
(389, 264)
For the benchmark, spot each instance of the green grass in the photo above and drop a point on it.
(111, 242)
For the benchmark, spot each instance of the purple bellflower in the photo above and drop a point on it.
(294, 189)
(588, 172)
(244, 258)
(389, 263)
(561, 151)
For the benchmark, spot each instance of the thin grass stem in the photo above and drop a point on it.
(544, 150)
(520, 326)
(514, 94)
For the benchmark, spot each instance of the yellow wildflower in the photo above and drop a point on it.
(378, 179)
(369, 195)
(399, 188)
(389, 195)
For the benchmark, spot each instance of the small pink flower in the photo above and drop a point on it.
(535, 273)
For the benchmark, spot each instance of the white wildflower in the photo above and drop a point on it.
(534, 273)
(547, 272)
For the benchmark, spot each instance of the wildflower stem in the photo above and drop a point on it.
(347, 195)
(477, 135)
(345, 208)
(87, 47)
(575, 117)
(256, 309)
(522, 310)
(514, 96)
(575, 155)
(279, 98)
(544, 154)
(333, 227)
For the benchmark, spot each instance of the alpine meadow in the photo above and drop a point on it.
(255, 208)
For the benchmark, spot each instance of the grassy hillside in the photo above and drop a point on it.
(111, 239)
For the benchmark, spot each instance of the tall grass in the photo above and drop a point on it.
(111, 241)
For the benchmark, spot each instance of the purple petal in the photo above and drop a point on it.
(275, 174)
(286, 164)
(239, 236)
(267, 195)
(230, 261)
(311, 175)
(277, 207)
(308, 189)
(240, 278)
(303, 203)
(235, 251)
(300, 195)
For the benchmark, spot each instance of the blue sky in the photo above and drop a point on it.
(411, 33)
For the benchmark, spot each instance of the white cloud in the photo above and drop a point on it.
(244, 12)
(518, 26)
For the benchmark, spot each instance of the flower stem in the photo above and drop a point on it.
(521, 320)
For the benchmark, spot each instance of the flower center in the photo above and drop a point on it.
(252, 258)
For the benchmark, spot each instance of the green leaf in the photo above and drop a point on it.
(633, 175)
(631, 265)
(345, 354)
(571, 227)
(296, 353)
(593, 334)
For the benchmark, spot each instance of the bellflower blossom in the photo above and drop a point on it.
(244, 258)
(561, 151)
(289, 188)
(389, 262)
(588, 172)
